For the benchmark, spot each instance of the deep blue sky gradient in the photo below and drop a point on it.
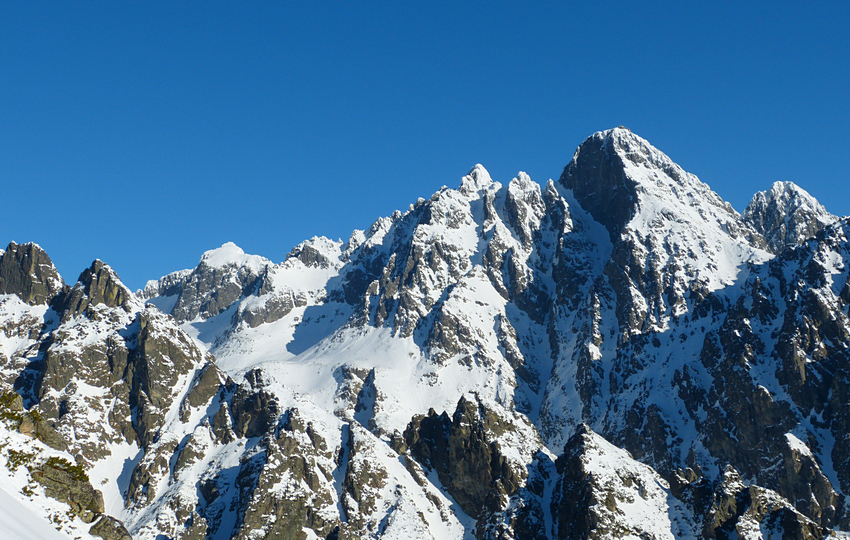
(144, 134)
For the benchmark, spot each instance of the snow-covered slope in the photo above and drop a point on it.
(21, 523)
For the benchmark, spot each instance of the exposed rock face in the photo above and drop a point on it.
(110, 528)
(166, 286)
(468, 453)
(162, 359)
(218, 281)
(27, 271)
(207, 383)
(100, 371)
(306, 500)
(310, 256)
(68, 483)
(136, 365)
(786, 215)
(598, 178)
(742, 511)
(464, 451)
(254, 409)
(791, 300)
(97, 285)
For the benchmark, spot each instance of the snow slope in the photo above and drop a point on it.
(19, 522)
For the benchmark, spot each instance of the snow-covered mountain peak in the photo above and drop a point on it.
(786, 215)
(789, 197)
(789, 190)
(229, 254)
(674, 240)
(614, 174)
(626, 183)
(318, 251)
(477, 179)
(222, 276)
(636, 149)
(597, 178)
(524, 182)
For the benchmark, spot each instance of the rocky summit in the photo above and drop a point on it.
(616, 354)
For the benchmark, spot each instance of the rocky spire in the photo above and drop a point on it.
(98, 284)
(26, 270)
(477, 179)
(786, 215)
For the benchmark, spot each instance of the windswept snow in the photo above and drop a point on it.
(20, 522)
(231, 254)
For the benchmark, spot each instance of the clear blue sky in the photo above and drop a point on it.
(145, 134)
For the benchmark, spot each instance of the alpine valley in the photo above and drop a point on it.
(618, 354)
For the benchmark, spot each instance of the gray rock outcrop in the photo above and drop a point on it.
(27, 271)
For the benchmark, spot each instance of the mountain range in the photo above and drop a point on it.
(615, 354)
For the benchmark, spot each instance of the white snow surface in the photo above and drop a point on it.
(20, 522)
(231, 254)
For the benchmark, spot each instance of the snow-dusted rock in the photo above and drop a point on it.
(786, 215)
